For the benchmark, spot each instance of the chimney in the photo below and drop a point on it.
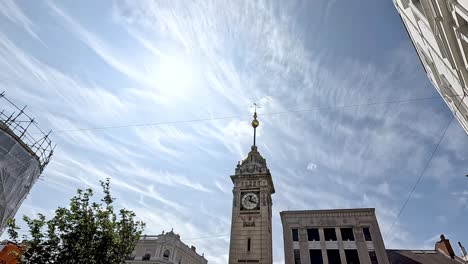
(193, 248)
(463, 251)
(444, 246)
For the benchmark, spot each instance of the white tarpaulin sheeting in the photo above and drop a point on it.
(19, 170)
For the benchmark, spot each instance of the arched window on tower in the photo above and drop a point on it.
(166, 254)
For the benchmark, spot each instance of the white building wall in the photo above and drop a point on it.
(439, 32)
(153, 248)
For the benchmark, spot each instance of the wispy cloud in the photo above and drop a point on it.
(13, 12)
(177, 175)
(99, 46)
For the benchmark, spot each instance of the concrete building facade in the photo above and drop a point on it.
(344, 236)
(439, 32)
(164, 248)
(251, 232)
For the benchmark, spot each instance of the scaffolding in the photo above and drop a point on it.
(25, 150)
(15, 122)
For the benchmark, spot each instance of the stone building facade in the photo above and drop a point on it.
(164, 248)
(439, 32)
(348, 236)
(251, 232)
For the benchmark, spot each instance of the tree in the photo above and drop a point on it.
(86, 232)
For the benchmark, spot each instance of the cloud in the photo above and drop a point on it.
(177, 175)
(311, 166)
(13, 12)
(99, 46)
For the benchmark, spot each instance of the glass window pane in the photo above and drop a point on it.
(315, 256)
(352, 256)
(313, 234)
(373, 257)
(367, 234)
(297, 256)
(330, 234)
(347, 234)
(295, 235)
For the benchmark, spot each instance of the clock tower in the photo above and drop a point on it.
(251, 233)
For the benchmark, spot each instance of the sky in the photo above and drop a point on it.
(92, 64)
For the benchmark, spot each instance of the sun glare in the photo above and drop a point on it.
(175, 76)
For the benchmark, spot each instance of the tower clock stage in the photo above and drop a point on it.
(251, 233)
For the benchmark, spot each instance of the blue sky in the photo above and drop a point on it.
(109, 63)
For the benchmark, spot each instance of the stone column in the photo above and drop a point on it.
(378, 243)
(340, 245)
(361, 246)
(304, 246)
(323, 246)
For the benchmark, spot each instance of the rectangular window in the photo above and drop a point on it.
(295, 234)
(367, 235)
(248, 245)
(297, 256)
(352, 256)
(347, 234)
(330, 234)
(373, 257)
(333, 256)
(418, 5)
(315, 256)
(313, 234)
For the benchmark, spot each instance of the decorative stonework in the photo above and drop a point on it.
(252, 164)
(151, 249)
(249, 221)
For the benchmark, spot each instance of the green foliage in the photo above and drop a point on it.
(86, 232)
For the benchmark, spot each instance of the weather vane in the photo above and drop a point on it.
(255, 122)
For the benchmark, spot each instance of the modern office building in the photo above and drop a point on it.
(24, 152)
(349, 236)
(165, 248)
(439, 32)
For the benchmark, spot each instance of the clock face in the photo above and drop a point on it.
(250, 201)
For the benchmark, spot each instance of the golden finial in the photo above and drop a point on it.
(255, 122)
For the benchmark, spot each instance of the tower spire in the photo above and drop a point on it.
(255, 123)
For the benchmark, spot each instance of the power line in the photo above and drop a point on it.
(244, 116)
(420, 177)
(424, 169)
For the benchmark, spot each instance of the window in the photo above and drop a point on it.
(295, 235)
(352, 256)
(418, 5)
(367, 234)
(315, 256)
(333, 256)
(248, 245)
(347, 234)
(313, 234)
(166, 254)
(147, 256)
(330, 234)
(463, 29)
(373, 257)
(297, 256)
